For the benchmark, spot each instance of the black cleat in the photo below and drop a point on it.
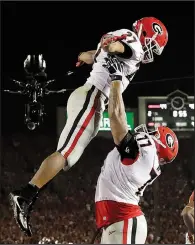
(22, 207)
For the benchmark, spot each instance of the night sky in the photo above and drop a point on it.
(60, 30)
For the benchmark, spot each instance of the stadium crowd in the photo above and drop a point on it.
(65, 211)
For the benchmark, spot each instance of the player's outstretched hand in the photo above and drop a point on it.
(114, 67)
(86, 58)
(80, 62)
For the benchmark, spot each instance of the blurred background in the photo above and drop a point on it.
(162, 93)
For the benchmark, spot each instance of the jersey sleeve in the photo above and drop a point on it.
(132, 45)
(128, 147)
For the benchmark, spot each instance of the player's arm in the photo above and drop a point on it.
(116, 47)
(116, 111)
(116, 108)
(86, 57)
(124, 140)
(188, 216)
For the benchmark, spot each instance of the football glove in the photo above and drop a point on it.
(114, 67)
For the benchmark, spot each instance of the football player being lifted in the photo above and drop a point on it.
(87, 103)
(128, 169)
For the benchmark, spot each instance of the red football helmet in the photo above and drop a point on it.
(165, 140)
(153, 36)
(167, 147)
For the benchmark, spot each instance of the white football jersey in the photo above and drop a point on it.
(99, 76)
(124, 181)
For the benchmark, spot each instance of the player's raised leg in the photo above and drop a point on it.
(84, 116)
(84, 109)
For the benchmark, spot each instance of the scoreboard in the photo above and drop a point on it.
(175, 111)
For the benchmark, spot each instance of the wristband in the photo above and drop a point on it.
(116, 77)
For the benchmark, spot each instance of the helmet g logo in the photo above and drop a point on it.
(169, 140)
(157, 28)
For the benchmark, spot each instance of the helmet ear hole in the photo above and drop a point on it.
(144, 33)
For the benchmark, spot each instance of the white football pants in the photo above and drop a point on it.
(131, 231)
(85, 107)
